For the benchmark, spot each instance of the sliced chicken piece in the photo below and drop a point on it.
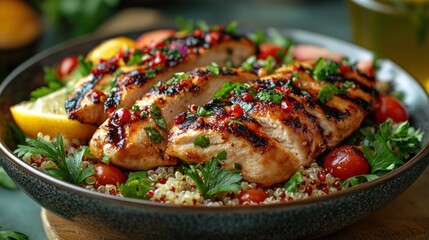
(260, 159)
(93, 99)
(136, 142)
(289, 110)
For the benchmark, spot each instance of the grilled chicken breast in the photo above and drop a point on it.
(111, 84)
(137, 138)
(305, 108)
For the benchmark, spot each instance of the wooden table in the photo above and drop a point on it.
(407, 217)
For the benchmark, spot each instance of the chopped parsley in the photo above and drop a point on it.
(214, 69)
(258, 37)
(225, 89)
(237, 121)
(154, 135)
(329, 90)
(231, 27)
(202, 111)
(53, 83)
(211, 180)
(177, 77)
(69, 165)
(270, 96)
(157, 117)
(150, 73)
(268, 64)
(136, 58)
(202, 141)
(247, 65)
(323, 68)
(136, 186)
(292, 184)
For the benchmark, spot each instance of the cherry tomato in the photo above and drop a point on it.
(390, 107)
(152, 38)
(345, 162)
(66, 66)
(270, 49)
(108, 174)
(252, 195)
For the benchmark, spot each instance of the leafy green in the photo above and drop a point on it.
(214, 68)
(177, 77)
(270, 96)
(292, 184)
(136, 186)
(390, 146)
(323, 68)
(185, 25)
(213, 180)
(258, 37)
(247, 65)
(12, 235)
(69, 165)
(231, 27)
(329, 90)
(5, 180)
(154, 135)
(355, 180)
(136, 58)
(225, 89)
(202, 141)
(202, 111)
(157, 117)
(52, 81)
(268, 64)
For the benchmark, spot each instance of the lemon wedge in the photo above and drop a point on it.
(109, 48)
(47, 115)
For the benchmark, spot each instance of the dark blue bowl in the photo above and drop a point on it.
(138, 219)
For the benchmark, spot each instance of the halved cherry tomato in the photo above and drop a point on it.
(345, 162)
(252, 195)
(66, 66)
(108, 174)
(270, 49)
(390, 107)
(152, 38)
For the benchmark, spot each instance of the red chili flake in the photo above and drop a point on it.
(110, 110)
(247, 97)
(178, 119)
(345, 69)
(159, 60)
(105, 66)
(236, 111)
(198, 33)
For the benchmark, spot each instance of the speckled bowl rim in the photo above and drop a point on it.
(165, 206)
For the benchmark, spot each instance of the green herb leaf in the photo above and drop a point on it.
(52, 81)
(238, 121)
(136, 186)
(157, 117)
(185, 25)
(258, 37)
(231, 27)
(12, 235)
(221, 155)
(69, 166)
(202, 111)
(268, 64)
(323, 68)
(136, 58)
(353, 181)
(214, 68)
(213, 180)
(202, 141)
(154, 135)
(5, 180)
(247, 65)
(273, 96)
(292, 184)
(177, 77)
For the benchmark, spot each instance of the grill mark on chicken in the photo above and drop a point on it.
(174, 54)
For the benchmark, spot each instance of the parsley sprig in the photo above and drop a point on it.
(136, 186)
(211, 180)
(329, 90)
(386, 149)
(323, 68)
(69, 165)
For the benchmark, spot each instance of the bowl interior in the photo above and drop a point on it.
(29, 75)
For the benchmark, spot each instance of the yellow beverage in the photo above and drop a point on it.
(395, 29)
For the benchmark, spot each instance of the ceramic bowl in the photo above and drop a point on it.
(138, 219)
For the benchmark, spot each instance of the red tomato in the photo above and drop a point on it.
(152, 38)
(270, 49)
(252, 195)
(66, 66)
(390, 107)
(236, 111)
(345, 162)
(108, 174)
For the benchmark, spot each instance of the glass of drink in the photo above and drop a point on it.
(395, 29)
